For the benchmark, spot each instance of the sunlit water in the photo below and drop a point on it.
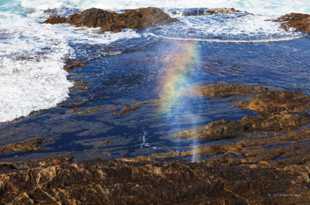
(137, 66)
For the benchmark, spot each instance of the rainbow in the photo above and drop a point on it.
(176, 79)
(178, 65)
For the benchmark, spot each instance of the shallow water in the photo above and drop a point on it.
(133, 67)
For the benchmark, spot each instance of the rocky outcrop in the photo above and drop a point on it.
(276, 111)
(115, 22)
(61, 181)
(298, 21)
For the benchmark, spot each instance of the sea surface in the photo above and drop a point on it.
(82, 112)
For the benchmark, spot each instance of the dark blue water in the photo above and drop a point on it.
(88, 125)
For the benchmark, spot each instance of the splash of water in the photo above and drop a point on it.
(179, 64)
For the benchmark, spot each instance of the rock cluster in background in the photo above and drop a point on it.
(298, 21)
(115, 22)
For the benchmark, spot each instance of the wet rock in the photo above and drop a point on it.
(215, 130)
(224, 129)
(56, 20)
(225, 90)
(298, 21)
(30, 145)
(115, 22)
(80, 85)
(278, 101)
(119, 182)
(277, 111)
(73, 63)
(129, 108)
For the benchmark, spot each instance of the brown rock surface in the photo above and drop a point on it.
(298, 21)
(120, 182)
(115, 22)
(277, 111)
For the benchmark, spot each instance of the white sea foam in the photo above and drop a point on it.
(231, 28)
(32, 59)
(270, 7)
(92, 36)
(31, 67)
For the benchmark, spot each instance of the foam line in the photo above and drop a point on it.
(229, 41)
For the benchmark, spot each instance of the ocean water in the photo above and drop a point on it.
(133, 66)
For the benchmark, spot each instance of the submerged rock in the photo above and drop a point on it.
(224, 129)
(70, 64)
(225, 90)
(298, 21)
(29, 145)
(278, 101)
(222, 11)
(115, 22)
(205, 11)
(276, 111)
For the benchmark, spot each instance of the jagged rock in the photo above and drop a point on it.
(298, 21)
(277, 111)
(120, 182)
(115, 22)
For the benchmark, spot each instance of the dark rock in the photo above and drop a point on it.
(56, 20)
(298, 21)
(115, 22)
